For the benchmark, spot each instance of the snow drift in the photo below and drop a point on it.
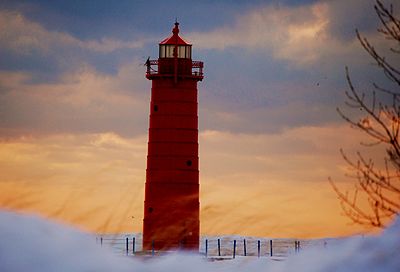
(31, 243)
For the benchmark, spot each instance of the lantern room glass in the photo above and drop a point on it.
(167, 51)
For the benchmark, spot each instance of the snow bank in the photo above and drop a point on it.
(30, 243)
(372, 253)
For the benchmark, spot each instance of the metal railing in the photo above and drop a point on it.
(228, 248)
(223, 247)
(153, 68)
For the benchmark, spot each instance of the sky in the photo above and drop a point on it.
(74, 107)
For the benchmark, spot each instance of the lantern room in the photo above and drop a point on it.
(174, 59)
(167, 46)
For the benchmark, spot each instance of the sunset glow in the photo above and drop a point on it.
(74, 106)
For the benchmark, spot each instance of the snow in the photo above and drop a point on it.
(31, 243)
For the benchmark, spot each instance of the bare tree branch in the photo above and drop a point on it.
(377, 186)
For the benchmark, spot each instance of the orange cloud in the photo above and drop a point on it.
(251, 184)
(81, 179)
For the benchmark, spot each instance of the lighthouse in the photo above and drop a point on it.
(171, 206)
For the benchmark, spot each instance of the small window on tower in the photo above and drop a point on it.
(150, 209)
(155, 107)
(189, 163)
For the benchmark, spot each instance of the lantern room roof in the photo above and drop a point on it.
(174, 38)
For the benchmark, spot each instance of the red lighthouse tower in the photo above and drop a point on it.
(171, 207)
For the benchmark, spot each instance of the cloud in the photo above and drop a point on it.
(281, 111)
(82, 101)
(270, 124)
(80, 179)
(272, 175)
(86, 100)
(62, 89)
(301, 35)
(252, 184)
(292, 152)
(263, 183)
(82, 98)
(285, 32)
(23, 36)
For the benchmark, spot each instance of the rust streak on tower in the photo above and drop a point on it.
(171, 207)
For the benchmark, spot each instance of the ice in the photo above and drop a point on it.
(31, 243)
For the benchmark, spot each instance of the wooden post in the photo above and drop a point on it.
(101, 241)
(133, 245)
(127, 246)
(152, 248)
(206, 248)
(244, 247)
(270, 248)
(259, 248)
(219, 247)
(234, 248)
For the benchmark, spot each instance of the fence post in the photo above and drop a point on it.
(219, 247)
(206, 248)
(127, 246)
(152, 248)
(234, 248)
(258, 248)
(133, 245)
(270, 248)
(101, 241)
(244, 247)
